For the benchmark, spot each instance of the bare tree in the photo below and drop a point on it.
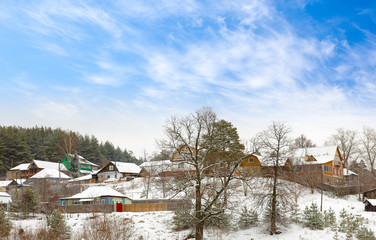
(346, 140)
(302, 142)
(68, 143)
(199, 142)
(368, 147)
(275, 146)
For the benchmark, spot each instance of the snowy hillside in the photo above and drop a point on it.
(157, 225)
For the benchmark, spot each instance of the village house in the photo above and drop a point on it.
(98, 195)
(116, 170)
(48, 174)
(259, 166)
(84, 165)
(7, 184)
(157, 168)
(322, 163)
(27, 170)
(5, 200)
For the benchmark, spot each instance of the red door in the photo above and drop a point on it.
(119, 207)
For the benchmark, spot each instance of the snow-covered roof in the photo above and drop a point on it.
(83, 160)
(156, 163)
(98, 191)
(50, 173)
(50, 165)
(86, 177)
(22, 166)
(321, 154)
(124, 167)
(347, 172)
(5, 183)
(372, 201)
(5, 197)
(268, 162)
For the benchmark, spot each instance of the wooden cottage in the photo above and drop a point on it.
(325, 164)
(96, 195)
(117, 170)
(27, 170)
(84, 165)
(370, 205)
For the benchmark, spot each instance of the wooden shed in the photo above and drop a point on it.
(370, 205)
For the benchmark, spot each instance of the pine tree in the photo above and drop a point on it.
(75, 165)
(57, 227)
(295, 214)
(5, 225)
(365, 234)
(247, 218)
(330, 218)
(313, 218)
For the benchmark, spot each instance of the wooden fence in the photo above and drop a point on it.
(144, 207)
(136, 206)
(89, 208)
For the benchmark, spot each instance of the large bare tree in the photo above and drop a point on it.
(68, 143)
(367, 147)
(302, 142)
(275, 147)
(205, 145)
(346, 140)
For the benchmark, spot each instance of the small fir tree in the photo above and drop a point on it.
(364, 233)
(182, 220)
(75, 166)
(349, 223)
(5, 225)
(295, 214)
(58, 228)
(312, 217)
(247, 218)
(330, 218)
(336, 237)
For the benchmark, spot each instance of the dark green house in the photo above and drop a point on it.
(85, 166)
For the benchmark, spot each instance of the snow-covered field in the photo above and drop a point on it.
(157, 225)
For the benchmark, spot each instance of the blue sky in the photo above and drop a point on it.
(118, 69)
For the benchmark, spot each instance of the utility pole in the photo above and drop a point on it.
(322, 186)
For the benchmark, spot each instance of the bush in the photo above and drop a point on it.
(5, 224)
(57, 227)
(182, 220)
(218, 217)
(247, 218)
(313, 218)
(105, 228)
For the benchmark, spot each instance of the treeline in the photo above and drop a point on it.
(22, 145)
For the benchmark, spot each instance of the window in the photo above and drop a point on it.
(181, 166)
(111, 168)
(250, 160)
(327, 169)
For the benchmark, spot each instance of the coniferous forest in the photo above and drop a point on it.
(22, 145)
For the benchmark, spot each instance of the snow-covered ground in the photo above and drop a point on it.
(157, 225)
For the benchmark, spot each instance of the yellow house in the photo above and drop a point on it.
(323, 163)
(251, 165)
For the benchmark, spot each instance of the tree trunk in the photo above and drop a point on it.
(273, 227)
(199, 215)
